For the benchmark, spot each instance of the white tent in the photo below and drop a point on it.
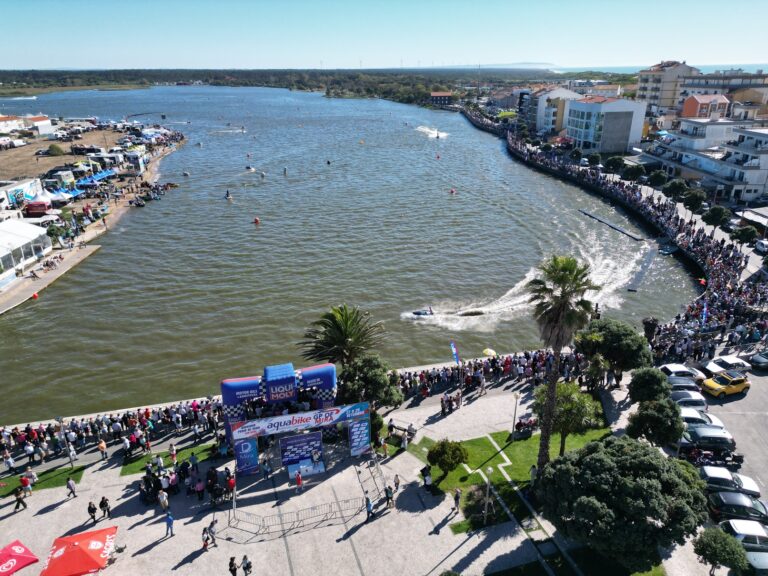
(43, 196)
(61, 197)
(21, 243)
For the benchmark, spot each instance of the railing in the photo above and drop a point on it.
(296, 519)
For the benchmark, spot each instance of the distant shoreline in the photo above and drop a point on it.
(36, 91)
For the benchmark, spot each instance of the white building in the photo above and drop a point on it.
(21, 244)
(42, 124)
(544, 110)
(598, 124)
(10, 123)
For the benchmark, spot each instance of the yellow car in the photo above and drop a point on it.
(725, 383)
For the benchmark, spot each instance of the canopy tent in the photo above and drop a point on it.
(14, 557)
(79, 554)
(43, 196)
(61, 196)
(21, 243)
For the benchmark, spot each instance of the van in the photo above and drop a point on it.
(761, 247)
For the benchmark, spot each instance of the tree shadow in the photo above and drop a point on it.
(415, 498)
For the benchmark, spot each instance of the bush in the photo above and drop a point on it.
(717, 216)
(658, 421)
(715, 547)
(447, 455)
(546, 148)
(657, 178)
(675, 189)
(633, 172)
(575, 155)
(648, 384)
(55, 150)
(593, 159)
(693, 199)
(614, 164)
(745, 234)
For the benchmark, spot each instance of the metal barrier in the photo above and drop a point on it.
(294, 519)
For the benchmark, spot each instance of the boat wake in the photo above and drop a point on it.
(229, 131)
(610, 273)
(24, 98)
(432, 132)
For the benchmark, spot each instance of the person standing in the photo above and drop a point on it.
(169, 525)
(92, 511)
(26, 486)
(388, 495)
(206, 538)
(299, 482)
(368, 509)
(246, 565)
(232, 566)
(71, 488)
(19, 495)
(397, 482)
(102, 446)
(456, 500)
(212, 531)
(172, 452)
(106, 509)
(162, 498)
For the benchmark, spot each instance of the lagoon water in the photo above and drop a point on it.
(187, 291)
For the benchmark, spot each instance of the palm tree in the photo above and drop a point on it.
(341, 335)
(560, 309)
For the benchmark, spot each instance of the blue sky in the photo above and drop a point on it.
(375, 33)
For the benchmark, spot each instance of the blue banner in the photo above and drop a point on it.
(359, 436)
(247, 455)
(294, 449)
(455, 352)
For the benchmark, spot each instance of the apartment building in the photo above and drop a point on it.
(599, 124)
(658, 86)
(704, 105)
(544, 110)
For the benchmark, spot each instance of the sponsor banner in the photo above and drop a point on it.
(300, 421)
(359, 436)
(455, 352)
(247, 455)
(294, 449)
(283, 390)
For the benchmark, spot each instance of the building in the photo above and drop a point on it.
(606, 90)
(543, 110)
(720, 82)
(10, 123)
(21, 245)
(440, 98)
(658, 86)
(599, 124)
(727, 156)
(41, 124)
(704, 105)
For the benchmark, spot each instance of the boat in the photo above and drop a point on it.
(185, 173)
(200, 144)
(424, 312)
(250, 169)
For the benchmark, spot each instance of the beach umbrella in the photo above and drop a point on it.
(489, 352)
(14, 557)
(84, 553)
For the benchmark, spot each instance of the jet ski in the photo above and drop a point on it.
(423, 312)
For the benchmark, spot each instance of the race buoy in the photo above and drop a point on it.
(438, 156)
(248, 155)
(263, 174)
(35, 296)
(453, 191)
(362, 141)
(285, 170)
(328, 162)
(256, 221)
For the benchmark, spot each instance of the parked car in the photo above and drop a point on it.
(707, 438)
(753, 536)
(761, 246)
(759, 361)
(683, 371)
(690, 399)
(680, 383)
(737, 506)
(693, 417)
(727, 383)
(723, 363)
(721, 479)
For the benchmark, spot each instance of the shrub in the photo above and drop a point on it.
(55, 150)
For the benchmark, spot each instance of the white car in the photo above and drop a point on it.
(684, 371)
(689, 399)
(723, 363)
(720, 479)
(692, 417)
(753, 536)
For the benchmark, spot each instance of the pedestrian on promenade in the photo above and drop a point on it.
(169, 525)
(397, 482)
(456, 500)
(206, 538)
(106, 509)
(388, 493)
(384, 447)
(10, 464)
(232, 566)
(19, 495)
(26, 486)
(71, 454)
(102, 447)
(246, 565)
(172, 452)
(71, 488)
(162, 498)
(299, 482)
(212, 531)
(193, 462)
(200, 489)
(368, 509)
(92, 511)
(29, 473)
(266, 469)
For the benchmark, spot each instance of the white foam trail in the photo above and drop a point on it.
(229, 131)
(432, 132)
(24, 98)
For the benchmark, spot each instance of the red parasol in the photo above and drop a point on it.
(79, 554)
(14, 557)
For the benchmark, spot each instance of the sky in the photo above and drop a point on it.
(375, 34)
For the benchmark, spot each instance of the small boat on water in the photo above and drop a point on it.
(250, 169)
(424, 312)
(200, 144)
(185, 173)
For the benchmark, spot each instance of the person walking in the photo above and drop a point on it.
(388, 495)
(397, 482)
(299, 482)
(102, 446)
(368, 509)
(71, 488)
(162, 498)
(246, 565)
(71, 454)
(106, 509)
(92, 511)
(456, 500)
(232, 566)
(19, 495)
(212, 532)
(206, 538)
(169, 525)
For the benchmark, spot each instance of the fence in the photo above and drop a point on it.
(287, 521)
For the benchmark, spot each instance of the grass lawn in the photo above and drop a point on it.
(420, 448)
(138, 463)
(49, 479)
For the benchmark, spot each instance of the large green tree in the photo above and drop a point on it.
(633, 172)
(658, 421)
(716, 548)
(745, 234)
(657, 178)
(615, 164)
(620, 344)
(717, 215)
(593, 159)
(675, 189)
(623, 498)
(648, 384)
(368, 378)
(341, 335)
(575, 412)
(693, 199)
(447, 455)
(560, 309)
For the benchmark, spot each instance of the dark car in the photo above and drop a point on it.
(707, 438)
(719, 479)
(737, 506)
(759, 361)
(681, 383)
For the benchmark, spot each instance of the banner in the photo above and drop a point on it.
(300, 421)
(247, 455)
(359, 436)
(294, 449)
(455, 352)
(281, 391)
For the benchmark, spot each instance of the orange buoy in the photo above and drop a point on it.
(256, 221)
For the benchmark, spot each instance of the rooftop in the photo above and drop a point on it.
(709, 98)
(597, 100)
(663, 65)
(436, 94)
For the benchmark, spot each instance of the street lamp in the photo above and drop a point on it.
(516, 396)
(489, 471)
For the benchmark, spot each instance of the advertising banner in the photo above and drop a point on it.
(281, 390)
(300, 421)
(359, 436)
(304, 453)
(247, 455)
